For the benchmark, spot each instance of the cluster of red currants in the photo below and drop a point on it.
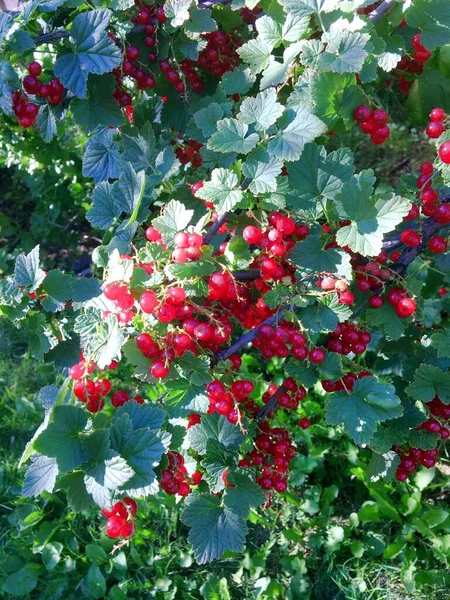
(348, 338)
(410, 459)
(328, 283)
(90, 392)
(278, 239)
(436, 126)
(273, 454)
(373, 122)
(284, 340)
(175, 479)
(420, 54)
(404, 305)
(190, 153)
(439, 409)
(371, 277)
(217, 58)
(290, 398)
(225, 402)
(52, 91)
(188, 247)
(120, 519)
(121, 397)
(346, 383)
(172, 76)
(250, 15)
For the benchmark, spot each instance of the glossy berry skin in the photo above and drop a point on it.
(113, 526)
(376, 302)
(437, 244)
(34, 68)
(132, 53)
(437, 114)
(435, 129)
(410, 238)
(304, 423)
(405, 308)
(441, 214)
(444, 153)
(252, 234)
(148, 302)
(362, 113)
(317, 355)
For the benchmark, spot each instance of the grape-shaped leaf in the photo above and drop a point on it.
(231, 136)
(94, 52)
(430, 381)
(370, 403)
(297, 128)
(223, 190)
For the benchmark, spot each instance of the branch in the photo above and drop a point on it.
(49, 37)
(381, 10)
(246, 338)
(271, 404)
(215, 228)
(248, 275)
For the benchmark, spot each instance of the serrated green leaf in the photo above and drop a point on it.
(310, 257)
(99, 107)
(257, 54)
(383, 466)
(105, 209)
(57, 288)
(207, 118)
(222, 189)
(174, 218)
(62, 438)
(371, 218)
(297, 128)
(441, 342)
(94, 52)
(194, 369)
(325, 314)
(432, 17)
(263, 110)
(41, 475)
(214, 528)
(177, 11)
(306, 8)
(387, 320)
(217, 461)
(231, 136)
(262, 170)
(27, 272)
(428, 382)
(213, 427)
(238, 81)
(370, 403)
(200, 21)
(101, 157)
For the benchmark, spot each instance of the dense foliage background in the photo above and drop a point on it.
(345, 527)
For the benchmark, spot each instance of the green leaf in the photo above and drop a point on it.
(84, 289)
(387, 320)
(100, 107)
(174, 218)
(306, 8)
(276, 72)
(215, 528)
(432, 17)
(142, 450)
(335, 97)
(238, 253)
(23, 581)
(104, 210)
(213, 427)
(238, 81)
(243, 495)
(262, 170)
(200, 21)
(57, 288)
(339, 50)
(194, 369)
(383, 466)
(371, 218)
(139, 147)
(101, 157)
(77, 496)
(94, 52)
(62, 438)
(177, 11)
(131, 185)
(310, 257)
(105, 475)
(207, 118)
(6, 23)
(428, 382)
(51, 555)
(269, 30)
(325, 314)
(398, 430)
(231, 136)
(46, 123)
(441, 341)
(142, 415)
(27, 272)
(257, 54)
(370, 403)
(217, 461)
(263, 110)
(21, 42)
(96, 583)
(40, 476)
(100, 338)
(223, 190)
(297, 128)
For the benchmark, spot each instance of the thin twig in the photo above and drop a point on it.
(381, 10)
(271, 404)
